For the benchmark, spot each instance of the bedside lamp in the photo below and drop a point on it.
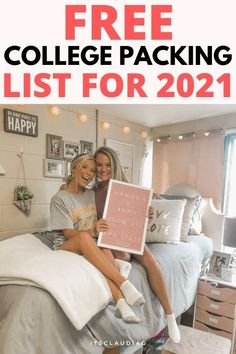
(230, 232)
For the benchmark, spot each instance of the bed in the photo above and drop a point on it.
(32, 321)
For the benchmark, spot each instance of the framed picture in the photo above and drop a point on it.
(54, 168)
(125, 153)
(54, 147)
(70, 150)
(86, 146)
(218, 261)
(67, 168)
(126, 211)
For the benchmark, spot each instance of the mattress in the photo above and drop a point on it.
(31, 321)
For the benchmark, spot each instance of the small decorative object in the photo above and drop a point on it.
(54, 168)
(70, 150)
(54, 147)
(86, 146)
(219, 260)
(22, 198)
(20, 123)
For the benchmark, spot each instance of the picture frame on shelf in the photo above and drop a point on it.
(54, 168)
(70, 149)
(54, 146)
(86, 146)
(218, 261)
(126, 155)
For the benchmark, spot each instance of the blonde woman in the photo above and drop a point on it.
(73, 215)
(108, 166)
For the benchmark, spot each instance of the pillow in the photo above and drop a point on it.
(156, 196)
(196, 220)
(189, 209)
(167, 220)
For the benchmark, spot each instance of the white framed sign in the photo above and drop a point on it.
(126, 154)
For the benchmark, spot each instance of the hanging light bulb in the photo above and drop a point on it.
(54, 111)
(180, 137)
(81, 117)
(207, 133)
(106, 125)
(158, 140)
(126, 130)
(144, 134)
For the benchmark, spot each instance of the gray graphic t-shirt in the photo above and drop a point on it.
(73, 211)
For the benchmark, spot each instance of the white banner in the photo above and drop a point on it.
(165, 52)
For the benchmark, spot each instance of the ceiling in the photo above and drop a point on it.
(157, 115)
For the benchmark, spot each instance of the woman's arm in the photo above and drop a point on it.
(99, 226)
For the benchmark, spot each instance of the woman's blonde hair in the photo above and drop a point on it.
(75, 166)
(116, 170)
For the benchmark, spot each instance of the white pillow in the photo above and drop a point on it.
(167, 221)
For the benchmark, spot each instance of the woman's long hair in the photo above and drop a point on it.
(116, 170)
(75, 166)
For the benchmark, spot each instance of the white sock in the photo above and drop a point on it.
(124, 311)
(173, 329)
(131, 294)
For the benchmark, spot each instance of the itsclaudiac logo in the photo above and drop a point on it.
(132, 51)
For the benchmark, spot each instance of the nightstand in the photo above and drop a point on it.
(215, 307)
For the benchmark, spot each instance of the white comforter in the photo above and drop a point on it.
(79, 288)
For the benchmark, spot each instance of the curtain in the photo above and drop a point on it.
(199, 162)
(229, 174)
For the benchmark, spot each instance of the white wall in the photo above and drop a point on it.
(12, 220)
(224, 121)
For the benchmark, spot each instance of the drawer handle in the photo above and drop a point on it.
(214, 306)
(215, 292)
(213, 320)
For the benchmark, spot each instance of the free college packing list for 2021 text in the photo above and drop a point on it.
(129, 52)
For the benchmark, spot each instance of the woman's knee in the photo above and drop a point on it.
(124, 256)
(147, 260)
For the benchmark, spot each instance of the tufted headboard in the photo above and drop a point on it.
(212, 219)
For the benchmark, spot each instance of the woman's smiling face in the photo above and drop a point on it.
(103, 165)
(85, 173)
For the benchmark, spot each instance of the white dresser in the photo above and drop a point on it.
(215, 307)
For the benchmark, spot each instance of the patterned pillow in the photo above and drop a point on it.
(167, 220)
(196, 219)
(189, 209)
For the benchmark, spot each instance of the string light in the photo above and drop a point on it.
(126, 130)
(54, 111)
(82, 117)
(188, 136)
(144, 134)
(106, 125)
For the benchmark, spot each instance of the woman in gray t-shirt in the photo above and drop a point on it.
(73, 214)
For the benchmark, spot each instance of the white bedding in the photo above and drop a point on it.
(79, 288)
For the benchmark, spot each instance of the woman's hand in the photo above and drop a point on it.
(101, 225)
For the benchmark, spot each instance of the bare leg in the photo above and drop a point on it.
(155, 278)
(158, 285)
(84, 244)
(124, 256)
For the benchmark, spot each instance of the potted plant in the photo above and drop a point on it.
(22, 198)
